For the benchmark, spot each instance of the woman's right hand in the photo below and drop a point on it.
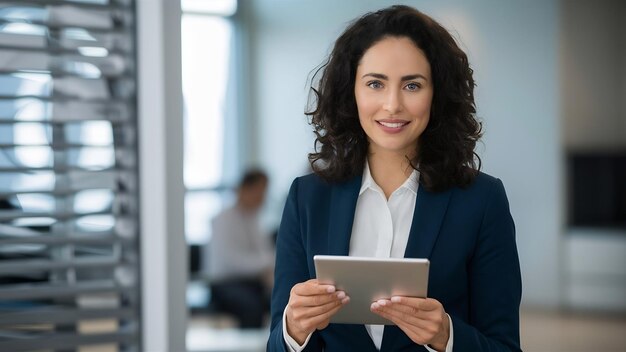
(311, 304)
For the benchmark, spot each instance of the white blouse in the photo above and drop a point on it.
(387, 224)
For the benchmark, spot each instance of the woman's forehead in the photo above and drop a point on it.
(394, 56)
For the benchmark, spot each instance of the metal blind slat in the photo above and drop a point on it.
(12, 60)
(114, 43)
(45, 86)
(118, 4)
(62, 15)
(60, 147)
(62, 315)
(26, 265)
(77, 180)
(61, 341)
(62, 169)
(56, 192)
(61, 120)
(52, 240)
(11, 215)
(65, 99)
(46, 291)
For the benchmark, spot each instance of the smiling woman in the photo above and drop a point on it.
(395, 175)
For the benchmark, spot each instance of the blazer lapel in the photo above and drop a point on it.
(428, 215)
(341, 215)
(340, 220)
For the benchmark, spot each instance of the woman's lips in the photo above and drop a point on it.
(392, 126)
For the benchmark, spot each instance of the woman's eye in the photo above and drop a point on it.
(375, 84)
(412, 86)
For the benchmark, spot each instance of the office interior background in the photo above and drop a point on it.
(124, 126)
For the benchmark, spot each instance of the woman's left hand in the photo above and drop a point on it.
(423, 319)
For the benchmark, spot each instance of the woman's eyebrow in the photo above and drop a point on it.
(414, 76)
(376, 75)
(404, 78)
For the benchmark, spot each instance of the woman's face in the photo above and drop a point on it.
(394, 91)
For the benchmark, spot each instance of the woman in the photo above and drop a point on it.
(396, 176)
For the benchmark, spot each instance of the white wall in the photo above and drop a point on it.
(513, 48)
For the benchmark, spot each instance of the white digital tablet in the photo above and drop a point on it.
(366, 280)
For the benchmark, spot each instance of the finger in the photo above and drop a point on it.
(432, 316)
(324, 319)
(312, 288)
(320, 321)
(311, 311)
(414, 333)
(415, 307)
(426, 304)
(396, 315)
(402, 307)
(318, 300)
(309, 319)
(408, 309)
(387, 316)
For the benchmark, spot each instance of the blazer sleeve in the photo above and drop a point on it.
(495, 283)
(291, 268)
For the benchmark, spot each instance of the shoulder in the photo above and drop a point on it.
(485, 189)
(483, 183)
(314, 190)
(312, 184)
(312, 181)
(481, 204)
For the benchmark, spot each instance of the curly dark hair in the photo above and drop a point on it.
(445, 150)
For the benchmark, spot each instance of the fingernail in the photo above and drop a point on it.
(374, 306)
(395, 299)
(345, 300)
(341, 294)
(382, 302)
(330, 289)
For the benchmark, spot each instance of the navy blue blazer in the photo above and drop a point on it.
(468, 235)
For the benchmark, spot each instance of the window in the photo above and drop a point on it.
(207, 60)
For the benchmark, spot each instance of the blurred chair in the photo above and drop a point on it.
(199, 293)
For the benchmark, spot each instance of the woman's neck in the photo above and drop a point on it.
(389, 170)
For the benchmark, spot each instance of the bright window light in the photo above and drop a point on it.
(93, 200)
(205, 63)
(210, 7)
(93, 51)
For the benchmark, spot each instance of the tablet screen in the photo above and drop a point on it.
(366, 280)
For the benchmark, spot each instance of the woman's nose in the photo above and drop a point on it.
(393, 102)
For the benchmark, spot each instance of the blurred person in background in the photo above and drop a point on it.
(241, 258)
